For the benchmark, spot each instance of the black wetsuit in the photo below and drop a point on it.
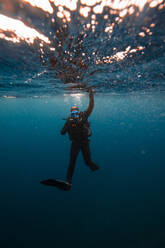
(78, 134)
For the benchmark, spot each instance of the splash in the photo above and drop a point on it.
(78, 40)
(119, 55)
(65, 8)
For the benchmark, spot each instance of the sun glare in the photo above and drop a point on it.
(18, 31)
(97, 6)
(42, 4)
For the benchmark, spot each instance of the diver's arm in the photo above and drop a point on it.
(91, 103)
(64, 129)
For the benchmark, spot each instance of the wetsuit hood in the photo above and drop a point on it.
(74, 108)
(74, 112)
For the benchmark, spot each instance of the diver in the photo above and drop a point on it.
(78, 129)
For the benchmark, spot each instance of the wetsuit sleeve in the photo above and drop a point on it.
(65, 128)
(91, 104)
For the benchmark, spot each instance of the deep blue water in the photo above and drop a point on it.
(122, 204)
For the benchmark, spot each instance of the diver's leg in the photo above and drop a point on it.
(87, 156)
(75, 148)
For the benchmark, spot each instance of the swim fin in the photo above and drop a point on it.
(63, 185)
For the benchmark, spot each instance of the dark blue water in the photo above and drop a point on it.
(120, 205)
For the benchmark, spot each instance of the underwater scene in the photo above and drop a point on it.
(105, 57)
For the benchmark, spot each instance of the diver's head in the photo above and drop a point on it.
(74, 112)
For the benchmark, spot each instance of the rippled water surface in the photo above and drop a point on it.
(54, 46)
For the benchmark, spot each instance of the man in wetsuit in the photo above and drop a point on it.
(78, 128)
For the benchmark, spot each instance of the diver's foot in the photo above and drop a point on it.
(69, 185)
(94, 167)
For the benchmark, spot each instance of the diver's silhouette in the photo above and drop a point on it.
(78, 128)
